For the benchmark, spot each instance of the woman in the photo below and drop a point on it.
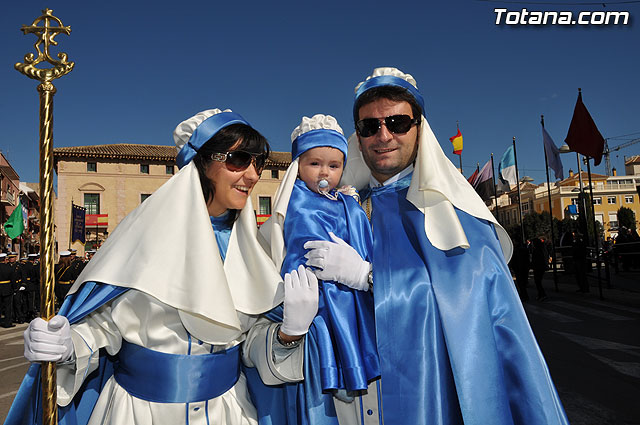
(181, 280)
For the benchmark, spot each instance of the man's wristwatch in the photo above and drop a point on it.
(290, 344)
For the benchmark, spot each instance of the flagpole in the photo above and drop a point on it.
(495, 191)
(553, 237)
(460, 154)
(515, 159)
(51, 27)
(595, 229)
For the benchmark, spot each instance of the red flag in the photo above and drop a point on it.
(474, 176)
(457, 143)
(583, 136)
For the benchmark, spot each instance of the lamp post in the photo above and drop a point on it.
(46, 27)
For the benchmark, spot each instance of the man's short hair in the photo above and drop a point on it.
(395, 93)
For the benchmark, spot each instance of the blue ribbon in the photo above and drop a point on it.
(389, 80)
(318, 138)
(175, 378)
(206, 131)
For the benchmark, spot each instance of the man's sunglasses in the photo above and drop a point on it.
(241, 160)
(397, 124)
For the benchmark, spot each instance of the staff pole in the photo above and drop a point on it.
(46, 27)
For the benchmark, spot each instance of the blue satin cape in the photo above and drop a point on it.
(340, 350)
(455, 345)
(27, 409)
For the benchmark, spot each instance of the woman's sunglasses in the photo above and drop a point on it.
(240, 160)
(396, 124)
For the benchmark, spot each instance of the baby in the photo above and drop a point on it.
(340, 355)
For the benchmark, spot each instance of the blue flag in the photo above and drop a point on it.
(553, 155)
(77, 223)
(507, 168)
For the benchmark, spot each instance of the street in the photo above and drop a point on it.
(592, 347)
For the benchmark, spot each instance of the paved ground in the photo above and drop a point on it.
(592, 347)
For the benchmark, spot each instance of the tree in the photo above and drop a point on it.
(626, 218)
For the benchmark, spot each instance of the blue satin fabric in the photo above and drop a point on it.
(204, 132)
(454, 342)
(222, 230)
(175, 378)
(389, 80)
(318, 138)
(340, 351)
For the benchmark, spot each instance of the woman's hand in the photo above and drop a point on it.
(300, 302)
(48, 341)
(339, 262)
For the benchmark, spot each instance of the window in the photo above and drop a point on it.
(92, 167)
(597, 201)
(599, 218)
(92, 203)
(525, 206)
(169, 169)
(264, 205)
(574, 201)
(274, 174)
(611, 199)
(144, 168)
(613, 220)
(628, 199)
(144, 196)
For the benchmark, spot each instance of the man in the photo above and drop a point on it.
(454, 342)
(19, 294)
(65, 276)
(32, 275)
(7, 284)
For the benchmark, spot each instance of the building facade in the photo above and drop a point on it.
(109, 181)
(9, 198)
(609, 194)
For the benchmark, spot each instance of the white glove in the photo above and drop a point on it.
(48, 341)
(300, 301)
(22, 288)
(339, 262)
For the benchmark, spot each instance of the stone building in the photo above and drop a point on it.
(609, 194)
(111, 180)
(9, 198)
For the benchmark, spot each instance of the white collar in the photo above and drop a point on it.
(373, 182)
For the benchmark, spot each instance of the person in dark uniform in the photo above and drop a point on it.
(579, 251)
(19, 314)
(77, 264)
(7, 284)
(32, 284)
(65, 276)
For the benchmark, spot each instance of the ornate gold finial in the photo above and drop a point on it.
(46, 34)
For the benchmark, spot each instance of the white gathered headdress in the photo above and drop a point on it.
(436, 185)
(167, 248)
(272, 230)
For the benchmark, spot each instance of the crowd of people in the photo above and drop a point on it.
(378, 291)
(20, 284)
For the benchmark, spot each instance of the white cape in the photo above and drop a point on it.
(166, 248)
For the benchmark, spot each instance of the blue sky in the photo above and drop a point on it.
(142, 67)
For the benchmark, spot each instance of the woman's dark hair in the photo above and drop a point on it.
(395, 93)
(250, 141)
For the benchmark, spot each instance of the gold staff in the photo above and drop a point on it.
(49, 28)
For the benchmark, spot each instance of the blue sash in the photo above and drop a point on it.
(175, 378)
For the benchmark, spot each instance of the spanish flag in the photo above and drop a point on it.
(457, 143)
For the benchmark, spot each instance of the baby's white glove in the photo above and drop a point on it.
(300, 301)
(48, 341)
(339, 262)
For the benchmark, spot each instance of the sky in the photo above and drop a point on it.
(143, 67)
